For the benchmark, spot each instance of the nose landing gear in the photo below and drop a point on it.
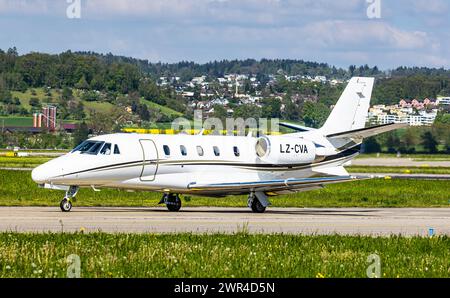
(66, 204)
(172, 201)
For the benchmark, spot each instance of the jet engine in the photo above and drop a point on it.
(285, 150)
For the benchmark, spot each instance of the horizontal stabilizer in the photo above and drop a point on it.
(367, 132)
(296, 127)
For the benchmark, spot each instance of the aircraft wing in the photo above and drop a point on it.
(271, 185)
(367, 132)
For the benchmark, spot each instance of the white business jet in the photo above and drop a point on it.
(217, 166)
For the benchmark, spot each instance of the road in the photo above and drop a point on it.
(344, 221)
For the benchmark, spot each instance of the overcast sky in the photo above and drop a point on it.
(338, 32)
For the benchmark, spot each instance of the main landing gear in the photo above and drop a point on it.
(258, 202)
(172, 201)
(66, 204)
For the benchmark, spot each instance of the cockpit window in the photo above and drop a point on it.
(89, 147)
(95, 148)
(116, 149)
(106, 150)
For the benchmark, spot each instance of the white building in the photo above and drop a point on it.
(443, 101)
(423, 119)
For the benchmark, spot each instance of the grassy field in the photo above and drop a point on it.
(399, 170)
(17, 189)
(22, 162)
(416, 157)
(165, 110)
(218, 255)
(102, 107)
(25, 97)
(16, 121)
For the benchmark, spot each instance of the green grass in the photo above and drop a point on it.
(219, 255)
(102, 107)
(165, 110)
(16, 121)
(26, 96)
(18, 189)
(22, 162)
(415, 157)
(399, 170)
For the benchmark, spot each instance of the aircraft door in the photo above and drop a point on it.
(150, 160)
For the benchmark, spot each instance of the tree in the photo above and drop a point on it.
(67, 94)
(82, 84)
(76, 110)
(149, 91)
(392, 142)
(247, 111)
(271, 108)
(429, 142)
(220, 112)
(101, 123)
(80, 134)
(291, 110)
(315, 114)
(409, 140)
(34, 102)
(371, 145)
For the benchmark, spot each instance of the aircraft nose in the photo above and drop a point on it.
(40, 174)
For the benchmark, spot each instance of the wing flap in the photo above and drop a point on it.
(269, 185)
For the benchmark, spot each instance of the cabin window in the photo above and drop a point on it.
(116, 149)
(183, 150)
(200, 151)
(216, 151)
(166, 150)
(236, 151)
(106, 150)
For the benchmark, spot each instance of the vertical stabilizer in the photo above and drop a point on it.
(352, 108)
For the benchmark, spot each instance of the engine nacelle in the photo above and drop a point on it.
(285, 150)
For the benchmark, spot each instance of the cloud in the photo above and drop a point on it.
(333, 31)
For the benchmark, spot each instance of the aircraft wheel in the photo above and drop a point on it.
(65, 205)
(173, 203)
(257, 207)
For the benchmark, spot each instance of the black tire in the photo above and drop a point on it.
(257, 207)
(65, 205)
(173, 203)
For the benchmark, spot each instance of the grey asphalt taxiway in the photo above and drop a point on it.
(343, 221)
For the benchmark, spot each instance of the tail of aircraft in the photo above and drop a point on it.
(348, 118)
(351, 110)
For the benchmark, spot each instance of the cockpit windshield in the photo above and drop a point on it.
(89, 147)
